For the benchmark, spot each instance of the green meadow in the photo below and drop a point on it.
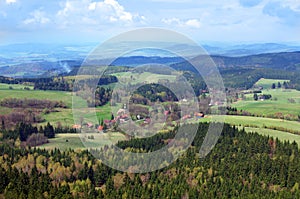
(66, 97)
(284, 136)
(14, 87)
(267, 83)
(285, 101)
(257, 124)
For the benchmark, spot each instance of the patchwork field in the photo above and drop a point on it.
(257, 124)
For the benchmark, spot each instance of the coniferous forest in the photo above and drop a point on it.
(242, 165)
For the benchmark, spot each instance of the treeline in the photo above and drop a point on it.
(31, 103)
(103, 80)
(23, 131)
(62, 84)
(58, 84)
(241, 165)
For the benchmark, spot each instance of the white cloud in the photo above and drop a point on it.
(113, 9)
(88, 12)
(192, 23)
(10, 1)
(171, 21)
(292, 4)
(37, 17)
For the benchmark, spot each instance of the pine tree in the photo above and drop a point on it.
(279, 85)
(255, 97)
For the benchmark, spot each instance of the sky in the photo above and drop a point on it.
(79, 21)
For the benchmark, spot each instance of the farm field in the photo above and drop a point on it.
(65, 97)
(73, 141)
(285, 101)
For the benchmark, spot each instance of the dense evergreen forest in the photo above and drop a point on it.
(242, 165)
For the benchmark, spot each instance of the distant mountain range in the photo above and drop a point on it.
(282, 60)
(249, 49)
(31, 60)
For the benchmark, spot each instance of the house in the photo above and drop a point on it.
(185, 117)
(261, 97)
(184, 100)
(121, 112)
(199, 115)
(76, 126)
(107, 122)
(100, 128)
(89, 125)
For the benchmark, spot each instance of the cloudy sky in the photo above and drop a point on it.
(79, 21)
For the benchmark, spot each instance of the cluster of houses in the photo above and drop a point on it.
(196, 115)
(123, 117)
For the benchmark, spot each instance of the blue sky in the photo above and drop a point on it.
(77, 21)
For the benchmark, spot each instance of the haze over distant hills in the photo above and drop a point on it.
(32, 59)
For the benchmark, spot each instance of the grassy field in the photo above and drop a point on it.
(258, 123)
(75, 141)
(64, 116)
(66, 97)
(285, 101)
(14, 87)
(279, 104)
(284, 136)
(267, 83)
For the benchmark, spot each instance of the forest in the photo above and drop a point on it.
(242, 165)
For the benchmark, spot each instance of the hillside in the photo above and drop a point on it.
(283, 61)
(32, 67)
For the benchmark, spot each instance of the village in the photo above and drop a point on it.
(124, 116)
